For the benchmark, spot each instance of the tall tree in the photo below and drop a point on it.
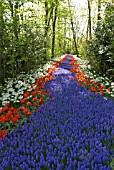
(89, 36)
(48, 17)
(64, 34)
(55, 11)
(99, 10)
(73, 29)
(2, 45)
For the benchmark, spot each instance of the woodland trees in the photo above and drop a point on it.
(89, 36)
(33, 31)
(101, 48)
(30, 32)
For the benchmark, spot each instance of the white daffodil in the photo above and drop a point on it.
(20, 97)
(17, 101)
(10, 89)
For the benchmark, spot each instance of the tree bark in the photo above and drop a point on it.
(47, 24)
(2, 48)
(73, 30)
(89, 19)
(14, 8)
(45, 34)
(99, 9)
(74, 37)
(53, 29)
(64, 34)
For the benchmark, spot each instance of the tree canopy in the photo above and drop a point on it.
(34, 31)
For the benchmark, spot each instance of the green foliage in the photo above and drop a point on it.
(1, 90)
(101, 48)
(82, 48)
(26, 34)
(21, 41)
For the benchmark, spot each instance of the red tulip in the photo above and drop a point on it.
(40, 101)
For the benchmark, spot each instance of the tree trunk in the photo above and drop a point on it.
(73, 30)
(45, 34)
(53, 29)
(15, 16)
(47, 24)
(89, 19)
(99, 9)
(2, 48)
(64, 35)
(74, 37)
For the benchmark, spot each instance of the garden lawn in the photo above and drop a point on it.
(74, 130)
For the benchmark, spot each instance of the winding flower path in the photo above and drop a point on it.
(74, 130)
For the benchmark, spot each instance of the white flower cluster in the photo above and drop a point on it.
(15, 88)
(103, 80)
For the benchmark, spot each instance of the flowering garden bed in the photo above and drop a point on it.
(73, 128)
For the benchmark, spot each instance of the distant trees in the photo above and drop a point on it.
(89, 28)
(33, 31)
(30, 32)
(101, 48)
(99, 11)
(20, 39)
(54, 19)
(73, 29)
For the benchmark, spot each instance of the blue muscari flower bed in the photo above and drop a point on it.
(75, 131)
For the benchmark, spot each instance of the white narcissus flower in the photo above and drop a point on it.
(34, 87)
(21, 92)
(14, 93)
(17, 86)
(10, 89)
(11, 100)
(22, 83)
(20, 97)
(17, 101)
(112, 95)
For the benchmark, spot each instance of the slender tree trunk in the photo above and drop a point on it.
(2, 48)
(15, 16)
(53, 29)
(16, 20)
(64, 35)
(45, 34)
(89, 19)
(48, 15)
(73, 30)
(74, 37)
(87, 33)
(99, 9)
(16, 33)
